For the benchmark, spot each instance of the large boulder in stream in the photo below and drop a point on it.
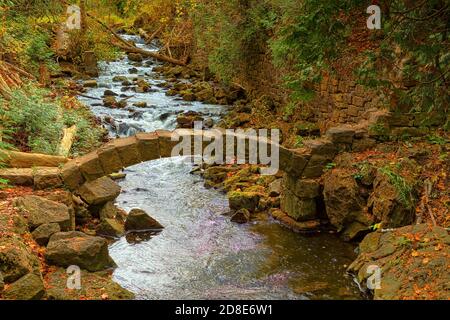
(139, 220)
(76, 248)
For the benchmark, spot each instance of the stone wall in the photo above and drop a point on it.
(343, 101)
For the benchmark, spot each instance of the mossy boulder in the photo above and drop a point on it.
(243, 200)
(344, 202)
(76, 248)
(16, 259)
(95, 286)
(43, 233)
(29, 287)
(39, 210)
(413, 261)
(393, 200)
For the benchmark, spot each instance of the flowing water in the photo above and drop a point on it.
(201, 254)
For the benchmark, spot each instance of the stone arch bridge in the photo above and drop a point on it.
(307, 162)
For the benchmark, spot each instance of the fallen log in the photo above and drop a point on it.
(15, 159)
(149, 38)
(128, 47)
(67, 141)
(122, 40)
(154, 55)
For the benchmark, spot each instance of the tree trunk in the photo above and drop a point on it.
(67, 141)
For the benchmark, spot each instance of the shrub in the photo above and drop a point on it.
(32, 114)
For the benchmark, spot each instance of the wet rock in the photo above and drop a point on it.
(121, 104)
(139, 220)
(137, 115)
(43, 233)
(16, 259)
(90, 84)
(165, 116)
(110, 102)
(241, 216)
(38, 211)
(109, 93)
(291, 223)
(99, 191)
(137, 57)
(120, 79)
(141, 104)
(29, 287)
(186, 120)
(110, 228)
(344, 202)
(117, 176)
(208, 123)
(76, 248)
(243, 200)
(133, 71)
(126, 85)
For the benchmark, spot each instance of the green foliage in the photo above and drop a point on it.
(403, 188)
(299, 142)
(40, 120)
(436, 139)
(310, 36)
(231, 31)
(330, 166)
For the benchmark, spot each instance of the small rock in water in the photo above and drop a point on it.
(119, 79)
(208, 123)
(133, 70)
(137, 115)
(90, 84)
(118, 176)
(139, 220)
(109, 93)
(135, 57)
(141, 104)
(241, 216)
(122, 104)
(110, 102)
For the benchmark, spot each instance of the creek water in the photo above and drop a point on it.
(201, 254)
